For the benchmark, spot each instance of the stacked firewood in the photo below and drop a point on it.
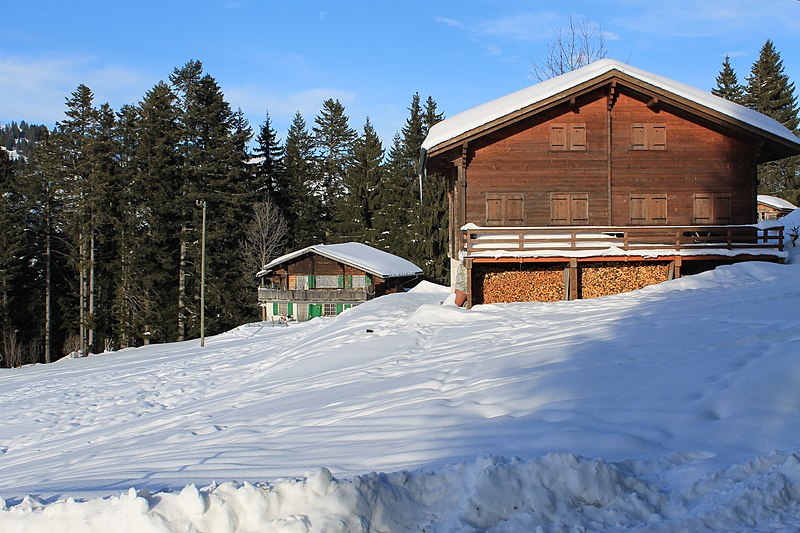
(545, 285)
(602, 279)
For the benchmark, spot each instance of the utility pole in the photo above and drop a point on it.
(203, 277)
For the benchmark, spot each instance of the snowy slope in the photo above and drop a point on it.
(672, 408)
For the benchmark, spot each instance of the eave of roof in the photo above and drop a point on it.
(510, 108)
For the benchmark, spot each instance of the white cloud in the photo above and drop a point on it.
(449, 22)
(35, 89)
(255, 101)
(523, 26)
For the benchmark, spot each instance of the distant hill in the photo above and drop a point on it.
(18, 139)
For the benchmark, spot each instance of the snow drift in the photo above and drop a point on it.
(673, 408)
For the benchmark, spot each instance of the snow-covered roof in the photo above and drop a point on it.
(358, 255)
(774, 201)
(481, 115)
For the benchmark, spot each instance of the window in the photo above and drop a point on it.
(359, 282)
(329, 310)
(327, 282)
(568, 137)
(649, 136)
(505, 209)
(648, 209)
(569, 209)
(712, 208)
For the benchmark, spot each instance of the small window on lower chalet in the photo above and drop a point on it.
(648, 136)
(648, 209)
(505, 209)
(712, 208)
(569, 209)
(568, 137)
(329, 310)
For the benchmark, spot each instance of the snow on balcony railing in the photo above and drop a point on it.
(481, 240)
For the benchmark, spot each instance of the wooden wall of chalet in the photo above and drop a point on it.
(519, 160)
(515, 177)
(697, 162)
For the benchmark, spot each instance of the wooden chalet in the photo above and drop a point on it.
(325, 279)
(772, 207)
(602, 180)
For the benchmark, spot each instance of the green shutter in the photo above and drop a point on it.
(290, 310)
(349, 281)
(314, 310)
(312, 282)
(275, 309)
(347, 306)
(339, 308)
(340, 282)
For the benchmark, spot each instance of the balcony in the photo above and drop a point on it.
(266, 294)
(623, 240)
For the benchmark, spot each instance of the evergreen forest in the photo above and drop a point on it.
(101, 218)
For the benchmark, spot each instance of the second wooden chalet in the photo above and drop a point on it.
(326, 279)
(773, 208)
(602, 180)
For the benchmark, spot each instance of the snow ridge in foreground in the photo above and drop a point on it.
(556, 492)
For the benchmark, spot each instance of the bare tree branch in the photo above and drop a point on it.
(581, 43)
(264, 238)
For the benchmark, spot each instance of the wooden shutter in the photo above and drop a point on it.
(558, 136)
(559, 209)
(577, 137)
(514, 210)
(494, 210)
(579, 210)
(703, 208)
(712, 208)
(638, 209)
(657, 137)
(657, 208)
(638, 137)
(722, 208)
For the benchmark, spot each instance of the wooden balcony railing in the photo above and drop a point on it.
(627, 238)
(266, 294)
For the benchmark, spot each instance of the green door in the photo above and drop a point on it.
(314, 310)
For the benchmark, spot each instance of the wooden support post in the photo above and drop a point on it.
(678, 262)
(470, 299)
(573, 280)
(671, 270)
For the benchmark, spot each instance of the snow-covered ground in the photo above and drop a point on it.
(674, 408)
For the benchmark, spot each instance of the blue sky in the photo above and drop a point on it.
(290, 56)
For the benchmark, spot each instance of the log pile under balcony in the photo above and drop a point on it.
(603, 279)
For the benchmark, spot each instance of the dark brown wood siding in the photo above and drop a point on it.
(522, 160)
(694, 159)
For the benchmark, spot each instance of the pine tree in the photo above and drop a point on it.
(333, 139)
(51, 300)
(270, 171)
(355, 212)
(74, 136)
(214, 156)
(770, 92)
(728, 86)
(12, 253)
(305, 213)
(432, 252)
(152, 206)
